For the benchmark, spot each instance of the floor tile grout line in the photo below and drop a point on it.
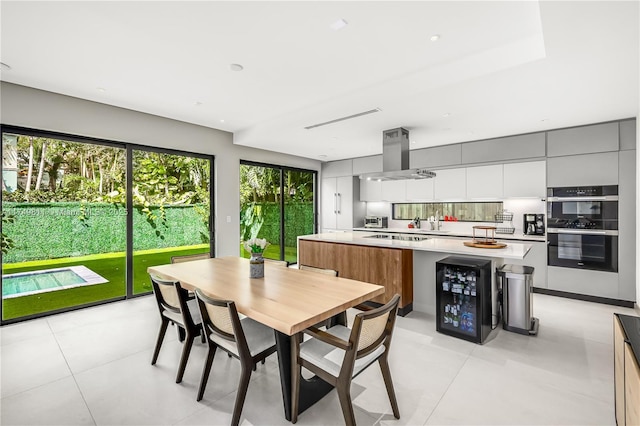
(435, 407)
(73, 376)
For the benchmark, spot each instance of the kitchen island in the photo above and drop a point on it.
(403, 265)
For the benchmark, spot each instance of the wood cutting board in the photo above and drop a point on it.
(485, 245)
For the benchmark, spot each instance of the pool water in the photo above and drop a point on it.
(21, 284)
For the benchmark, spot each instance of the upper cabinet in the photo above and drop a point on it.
(420, 189)
(450, 184)
(525, 179)
(531, 145)
(484, 182)
(583, 140)
(370, 164)
(583, 170)
(337, 168)
(627, 135)
(437, 156)
(394, 190)
(370, 190)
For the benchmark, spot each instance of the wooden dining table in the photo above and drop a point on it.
(287, 300)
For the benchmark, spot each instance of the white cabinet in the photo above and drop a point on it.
(420, 190)
(583, 170)
(394, 190)
(484, 182)
(337, 196)
(370, 190)
(525, 179)
(450, 184)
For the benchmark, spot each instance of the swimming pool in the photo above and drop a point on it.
(25, 283)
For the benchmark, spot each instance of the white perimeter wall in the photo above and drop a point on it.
(37, 109)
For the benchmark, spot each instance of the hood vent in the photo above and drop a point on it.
(395, 159)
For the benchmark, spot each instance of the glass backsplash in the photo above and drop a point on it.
(462, 212)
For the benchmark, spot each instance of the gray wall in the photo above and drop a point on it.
(27, 107)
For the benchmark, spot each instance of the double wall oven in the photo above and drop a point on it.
(582, 227)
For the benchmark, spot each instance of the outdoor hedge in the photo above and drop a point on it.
(298, 218)
(58, 230)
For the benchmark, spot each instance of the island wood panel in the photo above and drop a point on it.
(618, 369)
(632, 387)
(391, 268)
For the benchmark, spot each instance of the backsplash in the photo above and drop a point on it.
(517, 206)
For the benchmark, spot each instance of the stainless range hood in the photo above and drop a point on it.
(395, 159)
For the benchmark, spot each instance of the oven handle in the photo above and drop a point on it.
(582, 231)
(602, 198)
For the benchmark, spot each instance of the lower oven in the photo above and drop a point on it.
(583, 249)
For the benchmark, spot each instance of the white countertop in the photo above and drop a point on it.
(469, 234)
(514, 250)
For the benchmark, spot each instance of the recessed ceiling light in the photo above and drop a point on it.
(413, 141)
(198, 103)
(435, 37)
(545, 119)
(222, 120)
(236, 67)
(446, 114)
(322, 156)
(5, 66)
(101, 89)
(339, 24)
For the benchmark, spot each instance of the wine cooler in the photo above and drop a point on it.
(463, 298)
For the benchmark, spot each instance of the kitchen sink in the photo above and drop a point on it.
(398, 237)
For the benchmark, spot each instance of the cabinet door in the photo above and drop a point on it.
(484, 182)
(583, 170)
(394, 190)
(583, 140)
(631, 386)
(618, 370)
(420, 190)
(370, 190)
(329, 200)
(537, 257)
(525, 179)
(345, 202)
(450, 184)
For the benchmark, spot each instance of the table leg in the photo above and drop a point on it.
(311, 390)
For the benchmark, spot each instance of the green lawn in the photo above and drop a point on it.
(109, 265)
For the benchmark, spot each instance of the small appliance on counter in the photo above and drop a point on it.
(533, 224)
(376, 222)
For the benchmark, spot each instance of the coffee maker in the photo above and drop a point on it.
(533, 224)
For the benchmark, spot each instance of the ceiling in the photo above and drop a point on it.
(498, 68)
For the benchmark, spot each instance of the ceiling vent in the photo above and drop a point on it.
(395, 159)
(348, 117)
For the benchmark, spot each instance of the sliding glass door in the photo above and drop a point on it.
(83, 219)
(278, 204)
(63, 224)
(171, 210)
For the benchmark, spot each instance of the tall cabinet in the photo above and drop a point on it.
(340, 205)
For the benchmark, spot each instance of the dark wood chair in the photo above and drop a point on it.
(246, 339)
(368, 341)
(190, 257)
(340, 318)
(330, 272)
(175, 307)
(277, 262)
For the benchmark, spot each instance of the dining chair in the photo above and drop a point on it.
(244, 339)
(340, 354)
(174, 307)
(277, 262)
(190, 257)
(331, 272)
(340, 318)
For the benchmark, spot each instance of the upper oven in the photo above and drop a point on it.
(584, 207)
(582, 227)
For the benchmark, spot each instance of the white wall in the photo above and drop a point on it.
(638, 192)
(37, 109)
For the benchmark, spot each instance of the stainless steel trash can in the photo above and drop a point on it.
(517, 303)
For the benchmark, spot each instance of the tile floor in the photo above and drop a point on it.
(92, 367)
